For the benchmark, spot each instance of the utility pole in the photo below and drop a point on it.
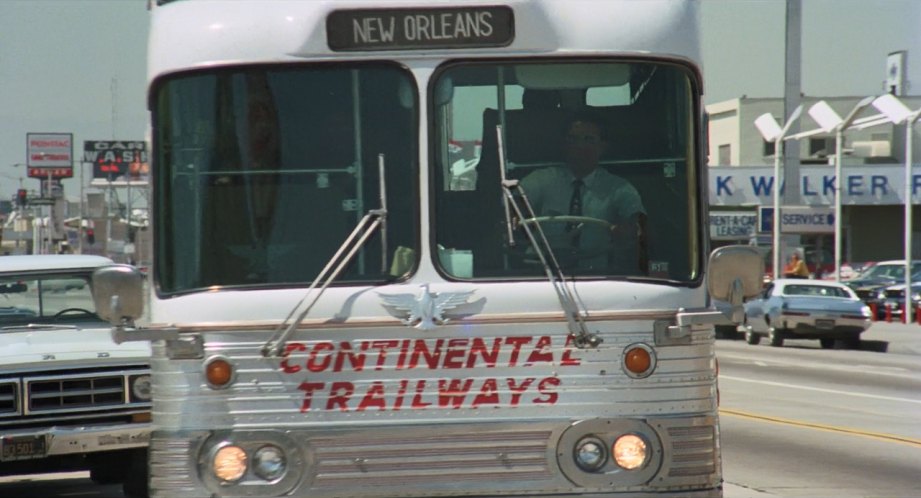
(792, 99)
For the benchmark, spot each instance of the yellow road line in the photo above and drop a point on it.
(829, 428)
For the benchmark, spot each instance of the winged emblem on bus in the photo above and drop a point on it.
(426, 310)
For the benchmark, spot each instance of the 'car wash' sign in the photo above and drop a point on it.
(402, 29)
(114, 158)
(732, 225)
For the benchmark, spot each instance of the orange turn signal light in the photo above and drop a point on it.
(638, 360)
(218, 373)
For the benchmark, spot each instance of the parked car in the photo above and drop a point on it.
(893, 298)
(871, 284)
(807, 309)
(70, 398)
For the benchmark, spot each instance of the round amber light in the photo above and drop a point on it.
(630, 451)
(219, 372)
(229, 463)
(637, 360)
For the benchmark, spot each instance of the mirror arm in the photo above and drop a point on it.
(736, 298)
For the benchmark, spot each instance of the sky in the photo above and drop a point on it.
(78, 66)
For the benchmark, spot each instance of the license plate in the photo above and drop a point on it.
(22, 447)
(824, 324)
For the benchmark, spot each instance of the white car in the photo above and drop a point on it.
(807, 309)
(70, 398)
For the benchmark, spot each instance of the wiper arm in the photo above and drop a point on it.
(40, 326)
(582, 338)
(366, 226)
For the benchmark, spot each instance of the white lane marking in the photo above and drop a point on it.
(818, 389)
(880, 371)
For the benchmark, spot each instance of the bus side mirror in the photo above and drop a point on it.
(735, 273)
(118, 292)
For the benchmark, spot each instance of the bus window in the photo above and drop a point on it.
(264, 172)
(637, 209)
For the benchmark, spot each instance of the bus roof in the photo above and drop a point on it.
(193, 34)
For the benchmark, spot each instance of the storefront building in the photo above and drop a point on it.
(873, 185)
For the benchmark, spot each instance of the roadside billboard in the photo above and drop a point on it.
(117, 159)
(50, 154)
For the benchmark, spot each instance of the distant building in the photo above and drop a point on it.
(873, 171)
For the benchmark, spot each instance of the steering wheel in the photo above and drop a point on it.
(73, 310)
(569, 256)
(579, 221)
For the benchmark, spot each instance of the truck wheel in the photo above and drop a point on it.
(775, 336)
(107, 474)
(108, 467)
(135, 485)
(725, 332)
(827, 342)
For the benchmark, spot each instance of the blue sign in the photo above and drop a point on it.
(798, 219)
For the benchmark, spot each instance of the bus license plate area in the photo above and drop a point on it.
(824, 324)
(22, 448)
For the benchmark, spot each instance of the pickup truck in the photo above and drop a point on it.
(70, 397)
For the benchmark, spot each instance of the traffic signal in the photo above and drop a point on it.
(21, 197)
(90, 236)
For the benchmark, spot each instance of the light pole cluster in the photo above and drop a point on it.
(898, 113)
(892, 111)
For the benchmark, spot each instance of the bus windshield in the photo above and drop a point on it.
(262, 172)
(603, 150)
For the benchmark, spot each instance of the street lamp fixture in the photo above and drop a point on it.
(897, 112)
(829, 121)
(772, 132)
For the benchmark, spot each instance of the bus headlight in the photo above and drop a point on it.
(629, 451)
(590, 454)
(269, 462)
(229, 463)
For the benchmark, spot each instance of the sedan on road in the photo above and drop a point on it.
(807, 309)
(893, 299)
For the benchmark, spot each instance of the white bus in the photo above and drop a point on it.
(373, 275)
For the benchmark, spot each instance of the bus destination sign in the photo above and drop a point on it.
(416, 29)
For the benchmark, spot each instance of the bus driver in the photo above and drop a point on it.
(583, 189)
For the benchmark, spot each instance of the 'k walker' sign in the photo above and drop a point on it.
(867, 184)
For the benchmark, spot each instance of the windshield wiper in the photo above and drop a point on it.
(366, 226)
(582, 338)
(40, 326)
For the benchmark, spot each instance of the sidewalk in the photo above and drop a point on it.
(898, 338)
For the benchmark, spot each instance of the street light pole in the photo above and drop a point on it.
(829, 121)
(80, 224)
(772, 132)
(897, 112)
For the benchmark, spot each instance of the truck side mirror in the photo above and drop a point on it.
(118, 292)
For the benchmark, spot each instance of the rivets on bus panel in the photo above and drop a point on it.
(219, 372)
(639, 360)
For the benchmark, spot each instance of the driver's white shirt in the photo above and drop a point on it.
(604, 196)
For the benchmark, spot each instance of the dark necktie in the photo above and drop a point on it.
(575, 208)
(575, 202)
